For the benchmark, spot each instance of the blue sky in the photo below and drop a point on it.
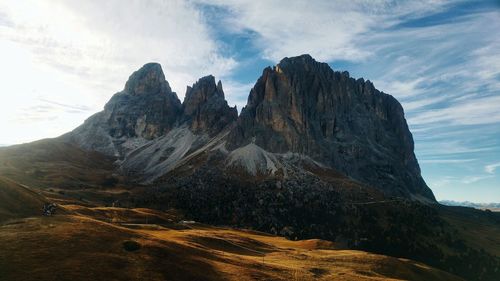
(62, 60)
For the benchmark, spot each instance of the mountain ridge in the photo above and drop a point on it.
(492, 205)
(299, 106)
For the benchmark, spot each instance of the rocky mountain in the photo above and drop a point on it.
(146, 109)
(303, 106)
(489, 206)
(147, 127)
(205, 108)
(298, 109)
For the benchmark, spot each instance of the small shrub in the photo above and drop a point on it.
(131, 246)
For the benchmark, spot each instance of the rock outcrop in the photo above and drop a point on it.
(303, 106)
(146, 109)
(205, 108)
(300, 112)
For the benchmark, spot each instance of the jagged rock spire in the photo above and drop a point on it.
(205, 108)
(149, 79)
(146, 109)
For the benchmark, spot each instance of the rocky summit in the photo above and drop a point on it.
(205, 108)
(146, 109)
(303, 106)
(298, 109)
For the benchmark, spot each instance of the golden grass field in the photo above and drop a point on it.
(107, 243)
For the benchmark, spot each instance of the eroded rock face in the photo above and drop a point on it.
(146, 109)
(300, 108)
(143, 115)
(205, 108)
(304, 106)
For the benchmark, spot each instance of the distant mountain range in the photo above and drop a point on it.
(470, 204)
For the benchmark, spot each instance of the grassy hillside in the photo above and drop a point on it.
(462, 241)
(142, 244)
(53, 163)
(17, 201)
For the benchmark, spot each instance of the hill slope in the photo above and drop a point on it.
(54, 163)
(141, 244)
(17, 201)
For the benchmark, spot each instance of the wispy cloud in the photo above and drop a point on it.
(436, 148)
(422, 103)
(99, 43)
(469, 112)
(328, 30)
(466, 180)
(490, 169)
(446, 161)
(473, 179)
(47, 110)
(78, 54)
(237, 93)
(70, 108)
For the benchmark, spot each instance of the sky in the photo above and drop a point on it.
(60, 61)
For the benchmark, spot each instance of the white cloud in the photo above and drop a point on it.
(236, 93)
(402, 88)
(443, 74)
(446, 161)
(81, 52)
(469, 112)
(422, 103)
(109, 40)
(327, 30)
(490, 169)
(466, 180)
(473, 179)
(451, 145)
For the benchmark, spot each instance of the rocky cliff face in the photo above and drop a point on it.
(299, 112)
(303, 106)
(205, 108)
(146, 109)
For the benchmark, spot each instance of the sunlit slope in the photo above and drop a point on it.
(141, 244)
(51, 162)
(18, 201)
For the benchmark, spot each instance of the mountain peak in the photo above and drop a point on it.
(146, 109)
(303, 106)
(301, 64)
(149, 79)
(205, 108)
(304, 58)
